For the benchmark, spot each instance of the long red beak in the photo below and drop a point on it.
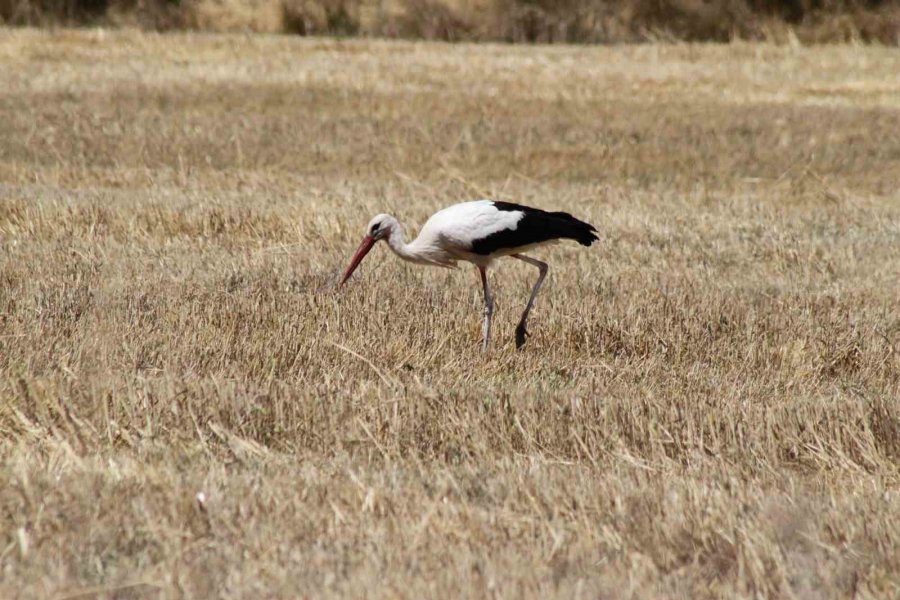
(361, 252)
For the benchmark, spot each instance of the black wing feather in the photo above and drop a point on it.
(535, 227)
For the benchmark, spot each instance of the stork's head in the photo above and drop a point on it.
(379, 228)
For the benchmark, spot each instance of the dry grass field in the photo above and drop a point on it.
(709, 405)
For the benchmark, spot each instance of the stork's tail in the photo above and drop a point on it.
(574, 229)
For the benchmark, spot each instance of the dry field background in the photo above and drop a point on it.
(545, 21)
(708, 406)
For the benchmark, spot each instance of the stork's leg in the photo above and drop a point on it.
(521, 332)
(488, 311)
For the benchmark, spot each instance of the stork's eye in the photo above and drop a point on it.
(375, 228)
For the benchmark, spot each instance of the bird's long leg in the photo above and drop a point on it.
(488, 311)
(543, 267)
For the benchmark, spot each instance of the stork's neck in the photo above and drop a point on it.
(397, 241)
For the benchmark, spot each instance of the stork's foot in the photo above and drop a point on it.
(521, 332)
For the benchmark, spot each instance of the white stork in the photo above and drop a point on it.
(478, 232)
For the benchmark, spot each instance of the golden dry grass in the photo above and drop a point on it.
(708, 406)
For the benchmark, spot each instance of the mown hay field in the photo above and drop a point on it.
(707, 407)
